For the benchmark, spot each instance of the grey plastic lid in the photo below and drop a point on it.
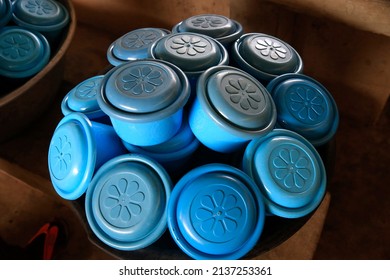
(189, 51)
(240, 99)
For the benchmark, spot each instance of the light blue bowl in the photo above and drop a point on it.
(144, 100)
(23, 52)
(77, 148)
(82, 99)
(288, 171)
(216, 212)
(6, 11)
(126, 203)
(231, 108)
(134, 45)
(305, 106)
(265, 57)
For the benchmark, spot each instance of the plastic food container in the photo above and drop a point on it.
(221, 28)
(265, 57)
(82, 99)
(144, 100)
(134, 45)
(48, 17)
(174, 153)
(305, 106)
(191, 52)
(126, 203)
(5, 12)
(216, 212)
(288, 171)
(23, 53)
(78, 147)
(231, 108)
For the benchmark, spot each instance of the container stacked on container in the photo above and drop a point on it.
(178, 109)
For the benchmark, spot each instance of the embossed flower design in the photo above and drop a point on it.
(124, 200)
(306, 104)
(141, 80)
(206, 22)
(61, 156)
(271, 48)
(15, 46)
(40, 7)
(292, 168)
(191, 45)
(244, 93)
(88, 89)
(219, 213)
(139, 40)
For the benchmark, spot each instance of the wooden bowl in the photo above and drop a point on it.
(26, 102)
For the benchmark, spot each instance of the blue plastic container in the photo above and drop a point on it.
(77, 148)
(288, 171)
(134, 45)
(192, 52)
(48, 17)
(265, 57)
(305, 106)
(6, 11)
(231, 108)
(126, 203)
(216, 212)
(82, 99)
(219, 27)
(23, 53)
(174, 153)
(144, 100)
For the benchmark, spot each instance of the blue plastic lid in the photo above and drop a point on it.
(23, 53)
(216, 212)
(191, 52)
(305, 106)
(43, 15)
(289, 172)
(82, 98)
(218, 27)
(266, 56)
(72, 156)
(5, 12)
(126, 202)
(142, 87)
(134, 45)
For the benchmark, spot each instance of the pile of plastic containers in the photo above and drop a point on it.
(204, 131)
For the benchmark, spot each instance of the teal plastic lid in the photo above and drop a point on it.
(72, 156)
(134, 45)
(23, 53)
(191, 52)
(305, 106)
(5, 12)
(289, 172)
(239, 98)
(142, 86)
(43, 15)
(126, 202)
(216, 212)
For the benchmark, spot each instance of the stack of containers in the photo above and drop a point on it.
(141, 143)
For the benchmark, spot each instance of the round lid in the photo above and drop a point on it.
(134, 45)
(239, 98)
(209, 24)
(72, 156)
(45, 13)
(5, 12)
(189, 51)
(142, 86)
(23, 53)
(289, 172)
(126, 202)
(268, 54)
(83, 97)
(216, 212)
(305, 106)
